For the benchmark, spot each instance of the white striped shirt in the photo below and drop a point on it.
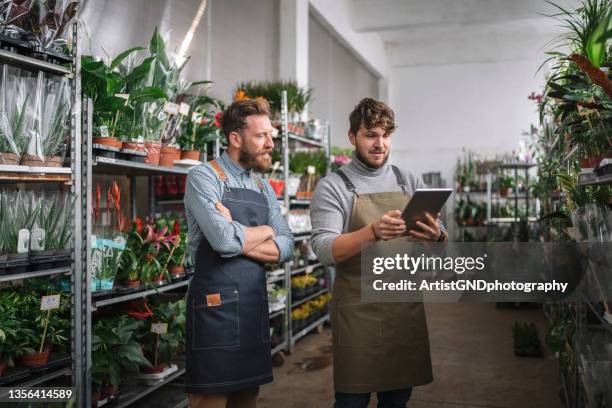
(204, 190)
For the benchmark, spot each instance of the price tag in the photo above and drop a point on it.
(104, 131)
(37, 239)
(171, 108)
(50, 302)
(23, 241)
(184, 109)
(195, 117)
(159, 328)
(311, 169)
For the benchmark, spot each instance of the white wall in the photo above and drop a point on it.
(245, 35)
(441, 109)
(339, 79)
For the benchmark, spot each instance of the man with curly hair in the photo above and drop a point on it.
(377, 347)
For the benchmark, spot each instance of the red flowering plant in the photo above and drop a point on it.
(108, 239)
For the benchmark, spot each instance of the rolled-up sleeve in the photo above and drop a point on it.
(201, 195)
(283, 238)
(327, 218)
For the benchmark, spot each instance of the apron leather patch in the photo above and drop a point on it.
(213, 300)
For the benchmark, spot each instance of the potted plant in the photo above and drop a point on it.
(160, 348)
(297, 98)
(114, 349)
(129, 269)
(202, 126)
(21, 213)
(506, 183)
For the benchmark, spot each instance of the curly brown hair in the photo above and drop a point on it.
(234, 116)
(372, 113)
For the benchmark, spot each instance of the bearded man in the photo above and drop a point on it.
(235, 226)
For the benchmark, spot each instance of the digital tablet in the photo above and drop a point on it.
(426, 200)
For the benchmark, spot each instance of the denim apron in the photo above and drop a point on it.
(376, 346)
(228, 328)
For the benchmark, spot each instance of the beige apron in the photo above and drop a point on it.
(376, 346)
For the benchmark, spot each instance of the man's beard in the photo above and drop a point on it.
(257, 162)
(368, 163)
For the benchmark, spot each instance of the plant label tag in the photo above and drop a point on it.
(311, 170)
(159, 328)
(171, 108)
(23, 241)
(195, 117)
(184, 109)
(104, 131)
(309, 269)
(37, 239)
(50, 302)
(213, 300)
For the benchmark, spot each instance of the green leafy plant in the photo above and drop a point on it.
(20, 211)
(161, 348)
(297, 97)
(204, 127)
(114, 349)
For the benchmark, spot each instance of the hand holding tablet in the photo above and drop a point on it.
(420, 210)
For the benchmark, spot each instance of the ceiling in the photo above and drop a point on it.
(430, 32)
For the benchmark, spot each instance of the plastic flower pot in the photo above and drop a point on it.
(132, 283)
(37, 359)
(107, 391)
(108, 141)
(30, 160)
(190, 155)
(53, 161)
(592, 161)
(168, 155)
(177, 271)
(159, 279)
(9, 158)
(153, 152)
(503, 191)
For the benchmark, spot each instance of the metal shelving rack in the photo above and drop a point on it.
(290, 338)
(15, 174)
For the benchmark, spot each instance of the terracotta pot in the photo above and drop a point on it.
(107, 391)
(53, 161)
(33, 360)
(133, 145)
(168, 156)
(132, 283)
(108, 141)
(155, 370)
(503, 191)
(95, 397)
(190, 154)
(153, 152)
(9, 158)
(34, 161)
(177, 270)
(158, 280)
(2, 369)
(591, 162)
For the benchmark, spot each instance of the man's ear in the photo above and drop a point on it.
(352, 138)
(235, 140)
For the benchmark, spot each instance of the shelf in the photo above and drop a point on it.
(278, 348)
(169, 202)
(277, 313)
(309, 328)
(130, 396)
(307, 298)
(32, 63)
(104, 165)
(307, 268)
(506, 166)
(591, 179)
(301, 236)
(296, 201)
(26, 275)
(18, 174)
(140, 294)
(277, 277)
(170, 395)
(38, 380)
(510, 220)
(305, 140)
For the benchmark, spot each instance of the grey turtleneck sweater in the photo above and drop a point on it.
(332, 203)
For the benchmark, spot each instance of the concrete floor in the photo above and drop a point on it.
(473, 363)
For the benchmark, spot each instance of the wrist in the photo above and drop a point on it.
(376, 237)
(442, 236)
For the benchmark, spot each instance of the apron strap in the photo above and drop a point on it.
(401, 181)
(220, 173)
(347, 182)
